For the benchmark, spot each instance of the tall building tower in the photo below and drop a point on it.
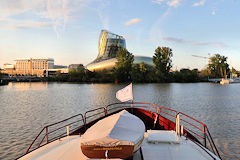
(108, 45)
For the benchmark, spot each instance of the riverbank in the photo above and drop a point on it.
(148, 76)
(91, 81)
(135, 76)
(3, 82)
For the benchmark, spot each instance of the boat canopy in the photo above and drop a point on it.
(117, 134)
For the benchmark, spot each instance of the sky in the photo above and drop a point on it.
(68, 30)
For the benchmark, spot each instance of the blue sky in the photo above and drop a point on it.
(68, 30)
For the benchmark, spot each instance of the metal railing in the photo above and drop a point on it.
(170, 114)
(47, 132)
(200, 130)
(190, 124)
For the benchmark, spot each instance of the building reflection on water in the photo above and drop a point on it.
(28, 85)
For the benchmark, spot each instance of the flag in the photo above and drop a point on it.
(125, 94)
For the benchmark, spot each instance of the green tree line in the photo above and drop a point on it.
(126, 71)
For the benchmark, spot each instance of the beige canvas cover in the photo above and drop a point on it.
(117, 133)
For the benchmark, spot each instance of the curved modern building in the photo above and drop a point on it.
(108, 45)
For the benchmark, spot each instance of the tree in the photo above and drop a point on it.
(123, 65)
(234, 71)
(73, 75)
(142, 73)
(78, 74)
(89, 76)
(162, 60)
(204, 74)
(81, 68)
(61, 77)
(219, 66)
(186, 75)
(58, 75)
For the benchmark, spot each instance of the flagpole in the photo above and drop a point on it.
(132, 100)
(132, 106)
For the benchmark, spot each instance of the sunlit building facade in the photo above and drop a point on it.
(40, 67)
(108, 45)
(33, 66)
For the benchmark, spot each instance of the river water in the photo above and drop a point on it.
(25, 108)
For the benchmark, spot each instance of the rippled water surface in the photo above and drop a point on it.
(25, 108)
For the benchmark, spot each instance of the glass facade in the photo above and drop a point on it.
(143, 59)
(108, 45)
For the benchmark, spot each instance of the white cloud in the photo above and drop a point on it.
(174, 3)
(104, 19)
(32, 24)
(133, 21)
(43, 13)
(158, 1)
(15, 7)
(127, 36)
(173, 39)
(216, 44)
(194, 43)
(213, 12)
(170, 3)
(156, 32)
(13, 24)
(103, 13)
(200, 3)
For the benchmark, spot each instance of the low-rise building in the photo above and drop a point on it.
(59, 66)
(29, 66)
(8, 66)
(52, 72)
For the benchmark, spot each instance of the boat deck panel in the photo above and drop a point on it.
(68, 148)
(185, 150)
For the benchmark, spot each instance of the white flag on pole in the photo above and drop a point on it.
(125, 94)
